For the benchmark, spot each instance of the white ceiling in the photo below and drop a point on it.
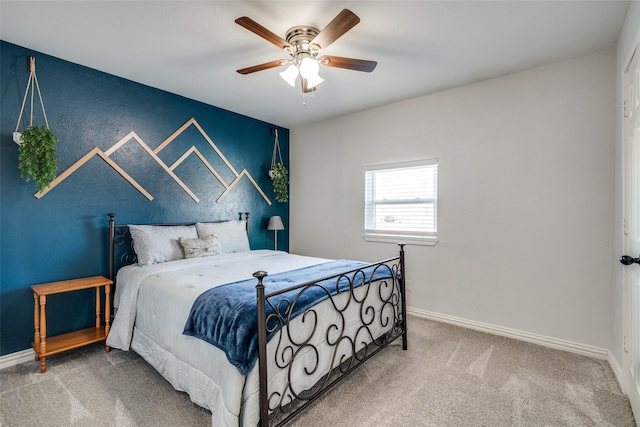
(192, 48)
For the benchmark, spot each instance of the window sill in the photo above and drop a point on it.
(409, 240)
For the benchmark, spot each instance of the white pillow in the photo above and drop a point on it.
(159, 243)
(231, 234)
(206, 246)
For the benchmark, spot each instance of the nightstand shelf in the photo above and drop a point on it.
(44, 346)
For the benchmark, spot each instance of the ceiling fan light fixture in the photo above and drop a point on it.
(314, 81)
(304, 45)
(290, 75)
(309, 68)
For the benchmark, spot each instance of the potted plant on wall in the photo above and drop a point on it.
(279, 174)
(37, 158)
(279, 177)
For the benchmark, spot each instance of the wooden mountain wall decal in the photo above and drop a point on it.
(105, 155)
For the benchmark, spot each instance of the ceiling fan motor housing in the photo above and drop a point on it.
(300, 38)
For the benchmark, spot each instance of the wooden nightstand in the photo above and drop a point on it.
(60, 343)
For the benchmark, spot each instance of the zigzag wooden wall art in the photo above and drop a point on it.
(105, 155)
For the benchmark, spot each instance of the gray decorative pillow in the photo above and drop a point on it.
(207, 246)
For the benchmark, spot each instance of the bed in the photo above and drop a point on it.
(310, 321)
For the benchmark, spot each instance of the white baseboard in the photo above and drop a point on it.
(17, 358)
(582, 349)
(585, 350)
(615, 367)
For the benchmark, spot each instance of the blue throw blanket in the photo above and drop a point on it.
(226, 316)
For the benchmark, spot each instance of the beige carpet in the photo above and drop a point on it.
(450, 376)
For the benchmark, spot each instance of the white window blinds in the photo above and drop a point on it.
(401, 200)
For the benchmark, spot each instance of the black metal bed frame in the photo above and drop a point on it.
(380, 306)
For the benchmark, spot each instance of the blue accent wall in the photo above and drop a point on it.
(64, 234)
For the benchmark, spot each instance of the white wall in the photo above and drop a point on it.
(629, 36)
(525, 196)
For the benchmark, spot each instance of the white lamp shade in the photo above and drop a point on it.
(309, 68)
(314, 81)
(290, 74)
(275, 223)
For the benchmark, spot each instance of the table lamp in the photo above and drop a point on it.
(275, 224)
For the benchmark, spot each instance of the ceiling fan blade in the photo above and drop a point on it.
(348, 63)
(261, 31)
(305, 85)
(342, 23)
(261, 67)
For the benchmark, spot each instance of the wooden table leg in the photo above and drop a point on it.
(36, 324)
(97, 306)
(107, 311)
(43, 333)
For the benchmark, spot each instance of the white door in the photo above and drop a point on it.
(631, 357)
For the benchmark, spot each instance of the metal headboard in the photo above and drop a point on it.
(120, 241)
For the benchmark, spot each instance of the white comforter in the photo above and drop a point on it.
(157, 300)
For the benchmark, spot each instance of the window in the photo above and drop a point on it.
(401, 202)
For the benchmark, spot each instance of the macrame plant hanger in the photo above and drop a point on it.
(278, 173)
(33, 85)
(276, 154)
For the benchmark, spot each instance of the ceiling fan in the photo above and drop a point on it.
(304, 44)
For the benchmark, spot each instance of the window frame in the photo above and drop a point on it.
(386, 236)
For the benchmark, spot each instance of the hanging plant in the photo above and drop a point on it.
(279, 174)
(37, 158)
(280, 178)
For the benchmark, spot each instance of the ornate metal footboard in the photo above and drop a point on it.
(313, 352)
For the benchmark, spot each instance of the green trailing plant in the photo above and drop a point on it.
(37, 158)
(280, 178)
